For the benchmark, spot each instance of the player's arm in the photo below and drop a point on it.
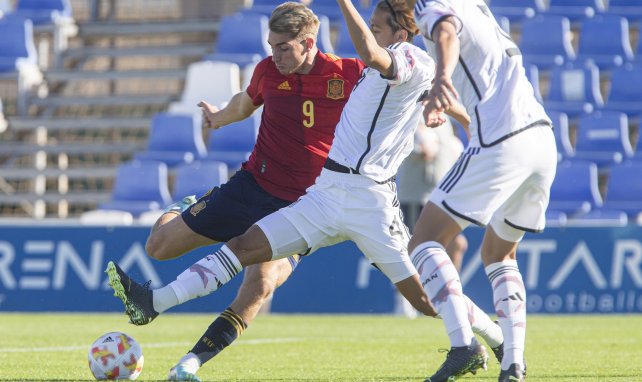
(239, 108)
(444, 35)
(364, 41)
(458, 112)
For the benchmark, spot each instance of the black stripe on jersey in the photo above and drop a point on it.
(420, 5)
(372, 127)
(479, 131)
(470, 77)
(523, 228)
(452, 211)
(541, 122)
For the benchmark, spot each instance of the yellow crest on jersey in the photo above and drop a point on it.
(335, 89)
(196, 208)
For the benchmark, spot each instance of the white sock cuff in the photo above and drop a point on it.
(232, 257)
(495, 266)
(423, 250)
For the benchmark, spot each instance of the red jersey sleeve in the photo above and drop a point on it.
(255, 88)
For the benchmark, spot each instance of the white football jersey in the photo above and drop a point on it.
(376, 129)
(490, 76)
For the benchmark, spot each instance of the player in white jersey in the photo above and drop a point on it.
(354, 197)
(502, 181)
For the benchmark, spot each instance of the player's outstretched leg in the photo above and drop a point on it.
(138, 299)
(513, 374)
(461, 360)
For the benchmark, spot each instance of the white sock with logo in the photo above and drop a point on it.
(441, 282)
(207, 275)
(509, 296)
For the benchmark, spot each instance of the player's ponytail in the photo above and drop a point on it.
(401, 16)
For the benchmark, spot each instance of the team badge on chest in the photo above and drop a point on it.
(335, 89)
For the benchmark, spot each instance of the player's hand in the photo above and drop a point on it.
(433, 115)
(443, 93)
(208, 114)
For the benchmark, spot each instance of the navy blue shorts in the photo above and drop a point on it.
(228, 211)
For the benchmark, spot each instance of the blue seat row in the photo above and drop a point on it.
(176, 139)
(142, 186)
(575, 192)
(518, 10)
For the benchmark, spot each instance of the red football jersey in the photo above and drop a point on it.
(299, 117)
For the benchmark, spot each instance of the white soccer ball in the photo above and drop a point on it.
(115, 355)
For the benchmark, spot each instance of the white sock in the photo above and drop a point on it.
(509, 296)
(207, 275)
(483, 325)
(190, 363)
(441, 282)
(164, 298)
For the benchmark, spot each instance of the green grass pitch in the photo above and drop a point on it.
(53, 347)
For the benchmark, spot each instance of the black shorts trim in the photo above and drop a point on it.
(452, 211)
(523, 228)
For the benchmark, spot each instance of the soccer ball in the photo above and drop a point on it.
(115, 355)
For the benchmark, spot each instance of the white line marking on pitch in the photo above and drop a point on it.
(145, 346)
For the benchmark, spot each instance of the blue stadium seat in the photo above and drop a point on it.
(333, 12)
(561, 131)
(624, 188)
(631, 9)
(576, 9)
(604, 41)
(419, 41)
(174, 139)
(234, 143)
(264, 6)
(16, 45)
(516, 10)
(546, 41)
(603, 138)
(198, 177)
(324, 42)
(139, 186)
(575, 188)
(574, 90)
(242, 39)
(626, 93)
(343, 45)
(42, 12)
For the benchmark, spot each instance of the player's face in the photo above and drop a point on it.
(288, 54)
(380, 28)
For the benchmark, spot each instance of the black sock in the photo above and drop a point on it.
(220, 334)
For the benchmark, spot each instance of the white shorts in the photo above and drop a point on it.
(340, 207)
(507, 185)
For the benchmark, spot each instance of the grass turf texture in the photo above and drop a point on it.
(53, 347)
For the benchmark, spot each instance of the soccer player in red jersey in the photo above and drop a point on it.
(303, 92)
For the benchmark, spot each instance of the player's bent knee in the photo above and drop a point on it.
(153, 247)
